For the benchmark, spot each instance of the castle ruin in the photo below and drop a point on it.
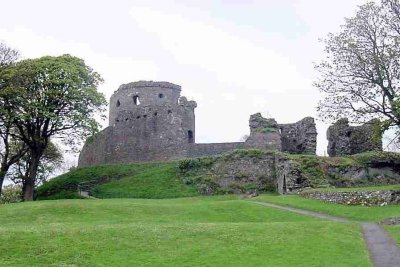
(151, 121)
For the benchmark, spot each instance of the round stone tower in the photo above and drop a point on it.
(149, 121)
(134, 96)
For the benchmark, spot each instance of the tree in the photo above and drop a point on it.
(11, 150)
(50, 162)
(360, 76)
(7, 55)
(10, 153)
(50, 97)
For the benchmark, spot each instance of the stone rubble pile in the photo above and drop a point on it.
(363, 198)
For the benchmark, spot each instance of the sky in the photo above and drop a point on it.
(234, 57)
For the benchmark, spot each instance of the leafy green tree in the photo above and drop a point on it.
(360, 77)
(50, 97)
(11, 150)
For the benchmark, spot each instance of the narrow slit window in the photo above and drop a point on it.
(118, 103)
(190, 137)
(284, 184)
(136, 100)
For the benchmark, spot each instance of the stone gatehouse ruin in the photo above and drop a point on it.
(151, 121)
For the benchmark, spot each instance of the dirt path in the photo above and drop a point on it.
(382, 248)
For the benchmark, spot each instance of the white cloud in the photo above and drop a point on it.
(233, 59)
(229, 76)
(115, 70)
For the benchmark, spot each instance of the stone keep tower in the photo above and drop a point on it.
(148, 121)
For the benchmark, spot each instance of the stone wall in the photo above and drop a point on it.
(299, 137)
(364, 198)
(289, 175)
(96, 149)
(344, 139)
(133, 95)
(264, 133)
(211, 149)
(243, 171)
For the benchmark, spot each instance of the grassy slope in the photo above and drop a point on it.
(217, 231)
(159, 180)
(360, 213)
(151, 180)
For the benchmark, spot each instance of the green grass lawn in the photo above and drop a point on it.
(159, 181)
(215, 231)
(394, 231)
(359, 213)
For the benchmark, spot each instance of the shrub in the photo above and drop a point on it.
(11, 194)
(193, 165)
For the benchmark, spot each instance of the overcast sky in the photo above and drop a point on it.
(234, 57)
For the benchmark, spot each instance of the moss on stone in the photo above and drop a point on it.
(372, 157)
(267, 130)
(316, 171)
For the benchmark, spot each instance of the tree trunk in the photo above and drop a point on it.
(29, 184)
(2, 175)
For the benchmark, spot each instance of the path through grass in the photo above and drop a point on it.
(358, 213)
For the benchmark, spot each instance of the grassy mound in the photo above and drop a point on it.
(151, 180)
(221, 174)
(213, 231)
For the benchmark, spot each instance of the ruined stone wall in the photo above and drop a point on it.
(243, 171)
(235, 172)
(264, 133)
(299, 137)
(363, 198)
(200, 150)
(344, 139)
(289, 175)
